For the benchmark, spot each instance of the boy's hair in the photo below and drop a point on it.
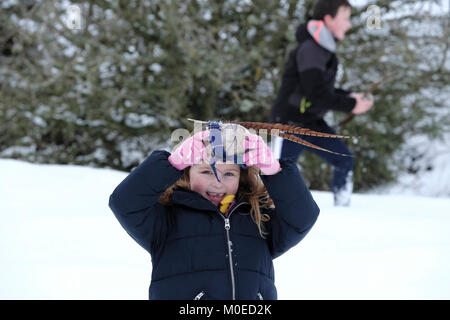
(251, 189)
(331, 7)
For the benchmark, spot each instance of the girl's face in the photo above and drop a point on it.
(203, 180)
(340, 24)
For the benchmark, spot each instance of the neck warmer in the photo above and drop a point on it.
(321, 35)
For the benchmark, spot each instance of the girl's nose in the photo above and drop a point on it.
(215, 181)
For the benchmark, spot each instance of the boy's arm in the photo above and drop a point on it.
(135, 200)
(311, 65)
(295, 209)
(342, 91)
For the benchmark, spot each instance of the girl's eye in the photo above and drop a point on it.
(206, 172)
(229, 174)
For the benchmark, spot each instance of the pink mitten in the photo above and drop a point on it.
(192, 151)
(259, 155)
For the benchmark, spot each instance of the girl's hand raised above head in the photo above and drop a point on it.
(190, 152)
(259, 155)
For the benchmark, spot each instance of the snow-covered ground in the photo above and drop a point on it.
(59, 240)
(432, 166)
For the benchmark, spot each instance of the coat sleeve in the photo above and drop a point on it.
(134, 202)
(342, 92)
(295, 209)
(311, 66)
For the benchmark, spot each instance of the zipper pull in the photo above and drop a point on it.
(227, 223)
(200, 295)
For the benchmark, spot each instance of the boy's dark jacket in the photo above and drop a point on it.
(188, 240)
(309, 75)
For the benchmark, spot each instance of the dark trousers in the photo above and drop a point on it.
(342, 165)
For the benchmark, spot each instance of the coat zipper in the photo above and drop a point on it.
(229, 244)
(230, 257)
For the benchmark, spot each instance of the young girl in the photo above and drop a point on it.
(213, 228)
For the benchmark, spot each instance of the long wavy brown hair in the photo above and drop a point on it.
(251, 190)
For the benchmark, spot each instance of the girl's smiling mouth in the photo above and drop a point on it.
(215, 197)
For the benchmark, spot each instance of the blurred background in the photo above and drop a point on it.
(104, 83)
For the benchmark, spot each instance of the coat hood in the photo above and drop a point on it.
(192, 199)
(302, 34)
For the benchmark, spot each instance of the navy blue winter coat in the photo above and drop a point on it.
(196, 252)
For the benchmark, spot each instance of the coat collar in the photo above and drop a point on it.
(321, 35)
(194, 200)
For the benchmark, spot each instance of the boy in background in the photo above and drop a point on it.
(307, 92)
